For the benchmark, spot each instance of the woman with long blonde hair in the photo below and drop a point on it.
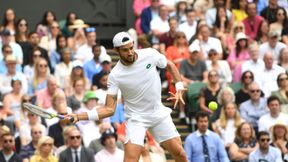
(44, 150)
(228, 122)
(41, 74)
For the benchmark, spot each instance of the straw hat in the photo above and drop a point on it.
(79, 23)
(240, 36)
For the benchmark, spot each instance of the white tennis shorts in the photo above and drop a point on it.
(161, 131)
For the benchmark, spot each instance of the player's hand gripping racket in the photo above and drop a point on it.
(43, 113)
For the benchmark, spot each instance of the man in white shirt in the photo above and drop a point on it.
(206, 43)
(275, 116)
(273, 46)
(265, 152)
(136, 76)
(269, 75)
(189, 27)
(84, 52)
(110, 152)
(254, 64)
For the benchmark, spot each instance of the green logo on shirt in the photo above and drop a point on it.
(148, 66)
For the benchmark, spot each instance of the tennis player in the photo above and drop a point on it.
(136, 76)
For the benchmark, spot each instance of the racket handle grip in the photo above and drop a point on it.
(62, 117)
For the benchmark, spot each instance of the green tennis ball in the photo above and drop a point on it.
(213, 105)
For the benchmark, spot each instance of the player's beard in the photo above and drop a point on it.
(129, 59)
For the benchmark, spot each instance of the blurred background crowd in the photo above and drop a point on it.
(233, 52)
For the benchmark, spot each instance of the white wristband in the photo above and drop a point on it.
(93, 115)
(179, 86)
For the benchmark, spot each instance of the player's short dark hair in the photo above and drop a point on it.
(201, 114)
(262, 133)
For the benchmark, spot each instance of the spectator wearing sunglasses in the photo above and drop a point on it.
(252, 109)
(265, 152)
(7, 153)
(84, 52)
(75, 151)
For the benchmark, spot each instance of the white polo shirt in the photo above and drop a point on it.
(140, 86)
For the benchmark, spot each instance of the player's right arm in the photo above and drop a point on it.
(99, 113)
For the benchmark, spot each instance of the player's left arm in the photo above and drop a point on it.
(172, 69)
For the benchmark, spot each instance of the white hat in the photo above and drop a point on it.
(194, 48)
(240, 36)
(77, 63)
(104, 58)
(121, 39)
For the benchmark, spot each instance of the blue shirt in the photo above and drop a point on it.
(3, 67)
(194, 147)
(91, 68)
(118, 116)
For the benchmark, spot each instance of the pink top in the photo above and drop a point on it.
(138, 6)
(251, 27)
(237, 68)
(44, 99)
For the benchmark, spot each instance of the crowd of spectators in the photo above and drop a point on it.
(237, 50)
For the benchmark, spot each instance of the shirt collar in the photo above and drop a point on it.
(198, 134)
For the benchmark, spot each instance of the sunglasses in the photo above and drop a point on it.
(89, 30)
(54, 27)
(47, 144)
(8, 141)
(212, 54)
(265, 139)
(253, 91)
(74, 137)
(62, 113)
(42, 65)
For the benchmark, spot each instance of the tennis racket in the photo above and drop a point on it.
(42, 112)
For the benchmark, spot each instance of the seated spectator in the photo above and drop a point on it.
(7, 50)
(93, 66)
(265, 152)
(7, 153)
(40, 77)
(148, 14)
(66, 132)
(159, 25)
(44, 96)
(189, 27)
(252, 21)
(238, 55)
(64, 68)
(6, 124)
(227, 124)
(28, 69)
(102, 89)
(71, 17)
(48, 42)
(273, 46)
(75, 150)
(205, 43)
(44, 150)
(222, 24)
(204, 145)
(89, 129)
(77, 72)
(252, 109)
(269, 76)
(138, 7)
(210, 93)
(5, 81)
(12, 102)
(262, 34)
(168, 38)
(283, 58)
(268, 120)
(193, 69)
(245, 142)
(147, 154)
(280, 139)
(255, 64)
(74, 101)
(110, 150)
(28, 150)
(282, 82)
(55, 131)
(47, 19)
(270, 11)
(106, 63)
(26, 128)
(239, 11)
(281, 21)
(55, 58)
(221, 66)
(180, 9)
(96, 145)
